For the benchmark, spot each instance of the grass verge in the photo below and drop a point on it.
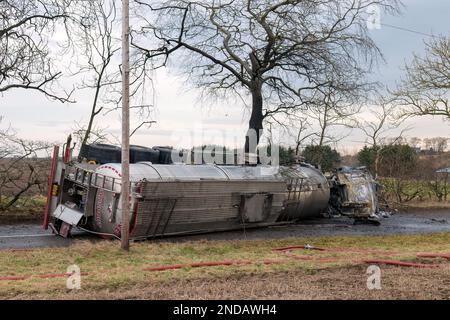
(426, 205)
(116, 274)
(25, 209)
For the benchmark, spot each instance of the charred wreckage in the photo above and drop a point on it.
(177, 198)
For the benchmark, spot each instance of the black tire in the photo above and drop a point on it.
(140, 154)
(165, 155)
(101, 153)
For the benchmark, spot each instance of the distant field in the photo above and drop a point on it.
(260, 271)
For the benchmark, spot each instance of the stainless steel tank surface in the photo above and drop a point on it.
(308, 192)
(179, 198)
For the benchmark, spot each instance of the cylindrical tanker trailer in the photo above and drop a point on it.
(180, 199)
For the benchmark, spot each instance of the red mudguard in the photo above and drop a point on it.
(50, 187)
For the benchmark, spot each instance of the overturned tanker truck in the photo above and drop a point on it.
(175, 198)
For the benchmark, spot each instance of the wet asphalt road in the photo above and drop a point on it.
(24, 236)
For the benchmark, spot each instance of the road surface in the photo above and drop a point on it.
(25, 236)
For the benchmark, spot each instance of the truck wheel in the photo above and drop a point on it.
(140, 154)
(101, 153)
(165, 155)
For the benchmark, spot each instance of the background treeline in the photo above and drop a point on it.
(406, 172)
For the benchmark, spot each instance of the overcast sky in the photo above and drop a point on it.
(179, 112)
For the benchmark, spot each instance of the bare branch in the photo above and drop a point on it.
(278, 52)
(425, 90)
(26, 28)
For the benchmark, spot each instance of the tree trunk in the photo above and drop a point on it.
(297, 148)
(377, 161)
(94, 110)
(324, 127)
(445, 186)
(255, 124)
(91, 122)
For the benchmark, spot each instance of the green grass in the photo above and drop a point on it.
(25, 208)
(112, 269)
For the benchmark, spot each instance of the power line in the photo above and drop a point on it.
(407, 30)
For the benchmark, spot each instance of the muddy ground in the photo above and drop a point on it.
(31, 235)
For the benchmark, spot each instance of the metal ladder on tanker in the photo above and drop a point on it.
(153, 217)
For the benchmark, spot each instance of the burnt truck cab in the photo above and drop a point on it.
(173, 199)
(353, 192)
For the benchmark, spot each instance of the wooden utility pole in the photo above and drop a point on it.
(125, 231)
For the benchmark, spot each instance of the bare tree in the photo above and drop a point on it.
(377, 129)
(279, 52)
(331, 107)
(25, 30)
(97, 134)
(437, 144)
(302, 134)
(95, 37)
(96, 40)
(425, 89)
(428, 143)
(441, 144)
(20, 168)
(415, 142)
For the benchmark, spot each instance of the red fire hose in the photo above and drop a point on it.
(50, 187)
(403, 264)
(286, 250)
(433, 255)
(308, 247)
